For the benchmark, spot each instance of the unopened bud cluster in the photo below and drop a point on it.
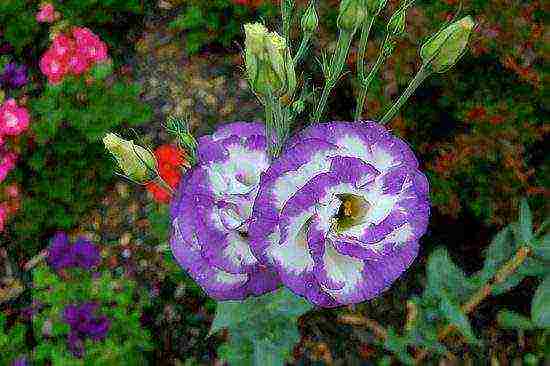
(269, 65)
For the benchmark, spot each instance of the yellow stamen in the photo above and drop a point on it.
(347, 208)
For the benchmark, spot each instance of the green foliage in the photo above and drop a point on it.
(448, 289)
(126, 342)
(62, 181)
(91, 109)
(12, 340)
(540, 307)
(262, 329)
(215, 21)
(20, 28)
(511, 320)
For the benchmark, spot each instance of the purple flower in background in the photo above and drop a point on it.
(62, 254)
(14, 76)
(20, 361)
(86, 254)
(210, 213)
(84, 323)
(340, 213)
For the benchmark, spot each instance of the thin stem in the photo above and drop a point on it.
(269, 127)
(365, 31)
(420, 76)
(302, 49)
(365, 83)
(336, 66)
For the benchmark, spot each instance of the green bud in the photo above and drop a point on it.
(135, 161)
(310, 20)
(268, 61)
(352, 13)
(375, 6)
(396, 25)
(444, 49)
(2, 96)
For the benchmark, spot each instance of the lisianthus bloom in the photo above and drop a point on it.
(211, 210)
(62, 254)
(13, 118)
(340, 213)
(14, 76)
(46, 13)
(84, 323)
(170, 161)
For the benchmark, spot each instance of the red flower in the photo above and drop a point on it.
(170, 160)
(476, 113)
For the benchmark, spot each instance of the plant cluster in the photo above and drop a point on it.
(217, 21)
(85, 310)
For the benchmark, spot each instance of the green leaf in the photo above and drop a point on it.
(542, 248)
(262, 329)
(444, 275)
(511, 320)
(540, 307)
(525, 229)
(497, 253)
(456, 317)
(398, 345)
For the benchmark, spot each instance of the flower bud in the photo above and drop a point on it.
(269, 65)
(310, 20)
(351, 15)
(135, 161)
(443, 49)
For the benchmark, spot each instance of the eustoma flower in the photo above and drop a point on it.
(340, 213)
(211, 211)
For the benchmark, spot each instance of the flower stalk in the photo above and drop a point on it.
(420, 76)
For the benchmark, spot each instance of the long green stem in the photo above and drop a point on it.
(336, 66)
(365, 31)
(302, 49)
(420, 76)
(365, 84)
(271, 139)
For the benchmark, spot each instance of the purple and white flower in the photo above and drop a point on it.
(211, 210)
(340, 213)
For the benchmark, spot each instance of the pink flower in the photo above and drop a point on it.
(53, 67)
(3, 215)
(78, 63)
(7, 163)
(89, 44)
(46, 13)
(63, 46)
(12, 191)
(13, 119)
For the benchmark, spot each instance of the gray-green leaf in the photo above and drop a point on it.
(512, 320)
(540, 307)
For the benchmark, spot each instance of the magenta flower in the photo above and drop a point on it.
(210, 213)
(340, 213)
(89, 45)
(46, 13)
(7, 163)
(13, 118)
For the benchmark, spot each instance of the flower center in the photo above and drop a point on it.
(353, 210)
